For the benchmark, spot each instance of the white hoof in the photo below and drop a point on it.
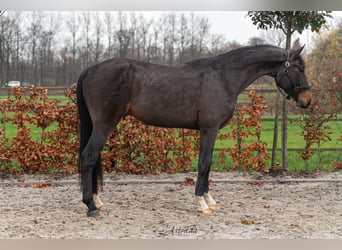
(204, 208)
(214, 207)
(206, 211)
(98, 203)
(211, 202)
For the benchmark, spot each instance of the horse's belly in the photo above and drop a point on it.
(162, 116)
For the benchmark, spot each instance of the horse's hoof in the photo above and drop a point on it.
(102, 208)
(94, 213)
(214, 207)
(206, 210)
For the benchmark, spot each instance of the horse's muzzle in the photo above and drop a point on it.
(304, 99)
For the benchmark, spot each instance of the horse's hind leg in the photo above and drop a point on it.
(90, 158)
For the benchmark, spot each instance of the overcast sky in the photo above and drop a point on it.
(235, 26)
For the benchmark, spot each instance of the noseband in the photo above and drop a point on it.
(285, 73)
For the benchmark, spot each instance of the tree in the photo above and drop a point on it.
(183, 38)
(87, 21)
(50, 48)
(123, 35)
(289, 22)
(275, 37)
(217, 42)
(35, 30)
(143, 31)
(45, 50)
(5, 35)
(256, 41)
(98, 34)
(73, 24)
(109, 24)
(326, 57)
(203, 31)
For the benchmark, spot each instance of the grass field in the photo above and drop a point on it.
(295, 141)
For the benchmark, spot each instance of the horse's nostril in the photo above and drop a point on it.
(309, 102)
(304, 105)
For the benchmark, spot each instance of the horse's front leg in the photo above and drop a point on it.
(207, 142)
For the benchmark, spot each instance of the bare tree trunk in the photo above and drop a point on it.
(284, 133)
(172, 38)
(285, 108)
(98, 34)
(183, 39)
(73, 26)
(123, 35)
(203, 32)
(86, 19)
(35, 30)
(134, 36)
(193, 42)
(109, 29)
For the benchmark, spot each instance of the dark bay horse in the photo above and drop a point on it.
(199, 95)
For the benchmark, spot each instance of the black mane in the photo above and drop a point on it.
(246, 52)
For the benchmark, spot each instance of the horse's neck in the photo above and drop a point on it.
(243, 69)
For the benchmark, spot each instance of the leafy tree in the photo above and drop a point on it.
(326, 57)
(289, 22)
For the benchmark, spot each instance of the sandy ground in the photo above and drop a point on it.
(157, 207)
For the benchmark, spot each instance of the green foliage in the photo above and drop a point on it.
(247, 123)
(289, 21)
(314, 120)
(53, 151)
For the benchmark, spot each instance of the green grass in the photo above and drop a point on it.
(296, 141)
(295, 138)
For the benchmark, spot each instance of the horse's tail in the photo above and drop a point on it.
(86, 128)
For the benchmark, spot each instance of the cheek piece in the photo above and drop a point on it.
(284, 73)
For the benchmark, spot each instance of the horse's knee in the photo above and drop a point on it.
(203, 167)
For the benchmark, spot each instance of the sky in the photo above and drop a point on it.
(241, 27)
(235, 26)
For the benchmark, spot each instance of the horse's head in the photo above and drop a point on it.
(291, 78)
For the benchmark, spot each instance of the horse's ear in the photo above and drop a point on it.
(296, 53)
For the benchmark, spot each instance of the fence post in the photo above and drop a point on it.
(238, 123)
(284, 134)
(259, 141)
(275, 133)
